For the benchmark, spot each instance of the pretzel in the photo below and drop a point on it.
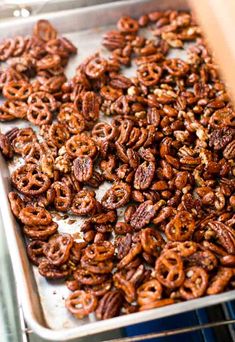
(23, 137)
(220, 280)
(149, 292)
(61, 196)
(104, 131)
(44, 30)
(86, 277)
(6, 49)
(34, 216)
(49, 271)
(117, 196)
(96, 67)
(35, 251)
(17, 90)
(81, 303)
(169, 269)
(81, 145)
(95, 266)
(100, 290)
(48, 62)
(126, 286)
(127, 25)
(195, 284)
(43, 99)
(17, 109)
(39, 114)
(184, 249)
(133, 252)
(29, 181)
(181, 227)
(149, 74)
(57, 250)
(157, 304)
(151, 241)
(40, 232)
(83, 203)
(100, 251)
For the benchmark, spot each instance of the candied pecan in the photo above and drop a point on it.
(224, 235)
(229, 151)
(144, 175)
(96, 180)
(113, 40)
(205, 259)
(120, 82)
(90, 106)
(221, 117)
(110, 305)
(219, 138)
(123, 245)
(123, 228)
(129, 211)
(143, 215)
(83, 168)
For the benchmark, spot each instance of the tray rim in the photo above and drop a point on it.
(20, 270)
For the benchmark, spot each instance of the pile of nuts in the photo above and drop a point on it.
(167, 148)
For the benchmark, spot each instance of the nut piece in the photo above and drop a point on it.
(83, 168)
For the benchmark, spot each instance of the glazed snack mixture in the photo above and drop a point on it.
(167, 149)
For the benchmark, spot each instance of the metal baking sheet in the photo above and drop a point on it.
(43, 301)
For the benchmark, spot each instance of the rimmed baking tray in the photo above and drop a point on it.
(43, 301)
